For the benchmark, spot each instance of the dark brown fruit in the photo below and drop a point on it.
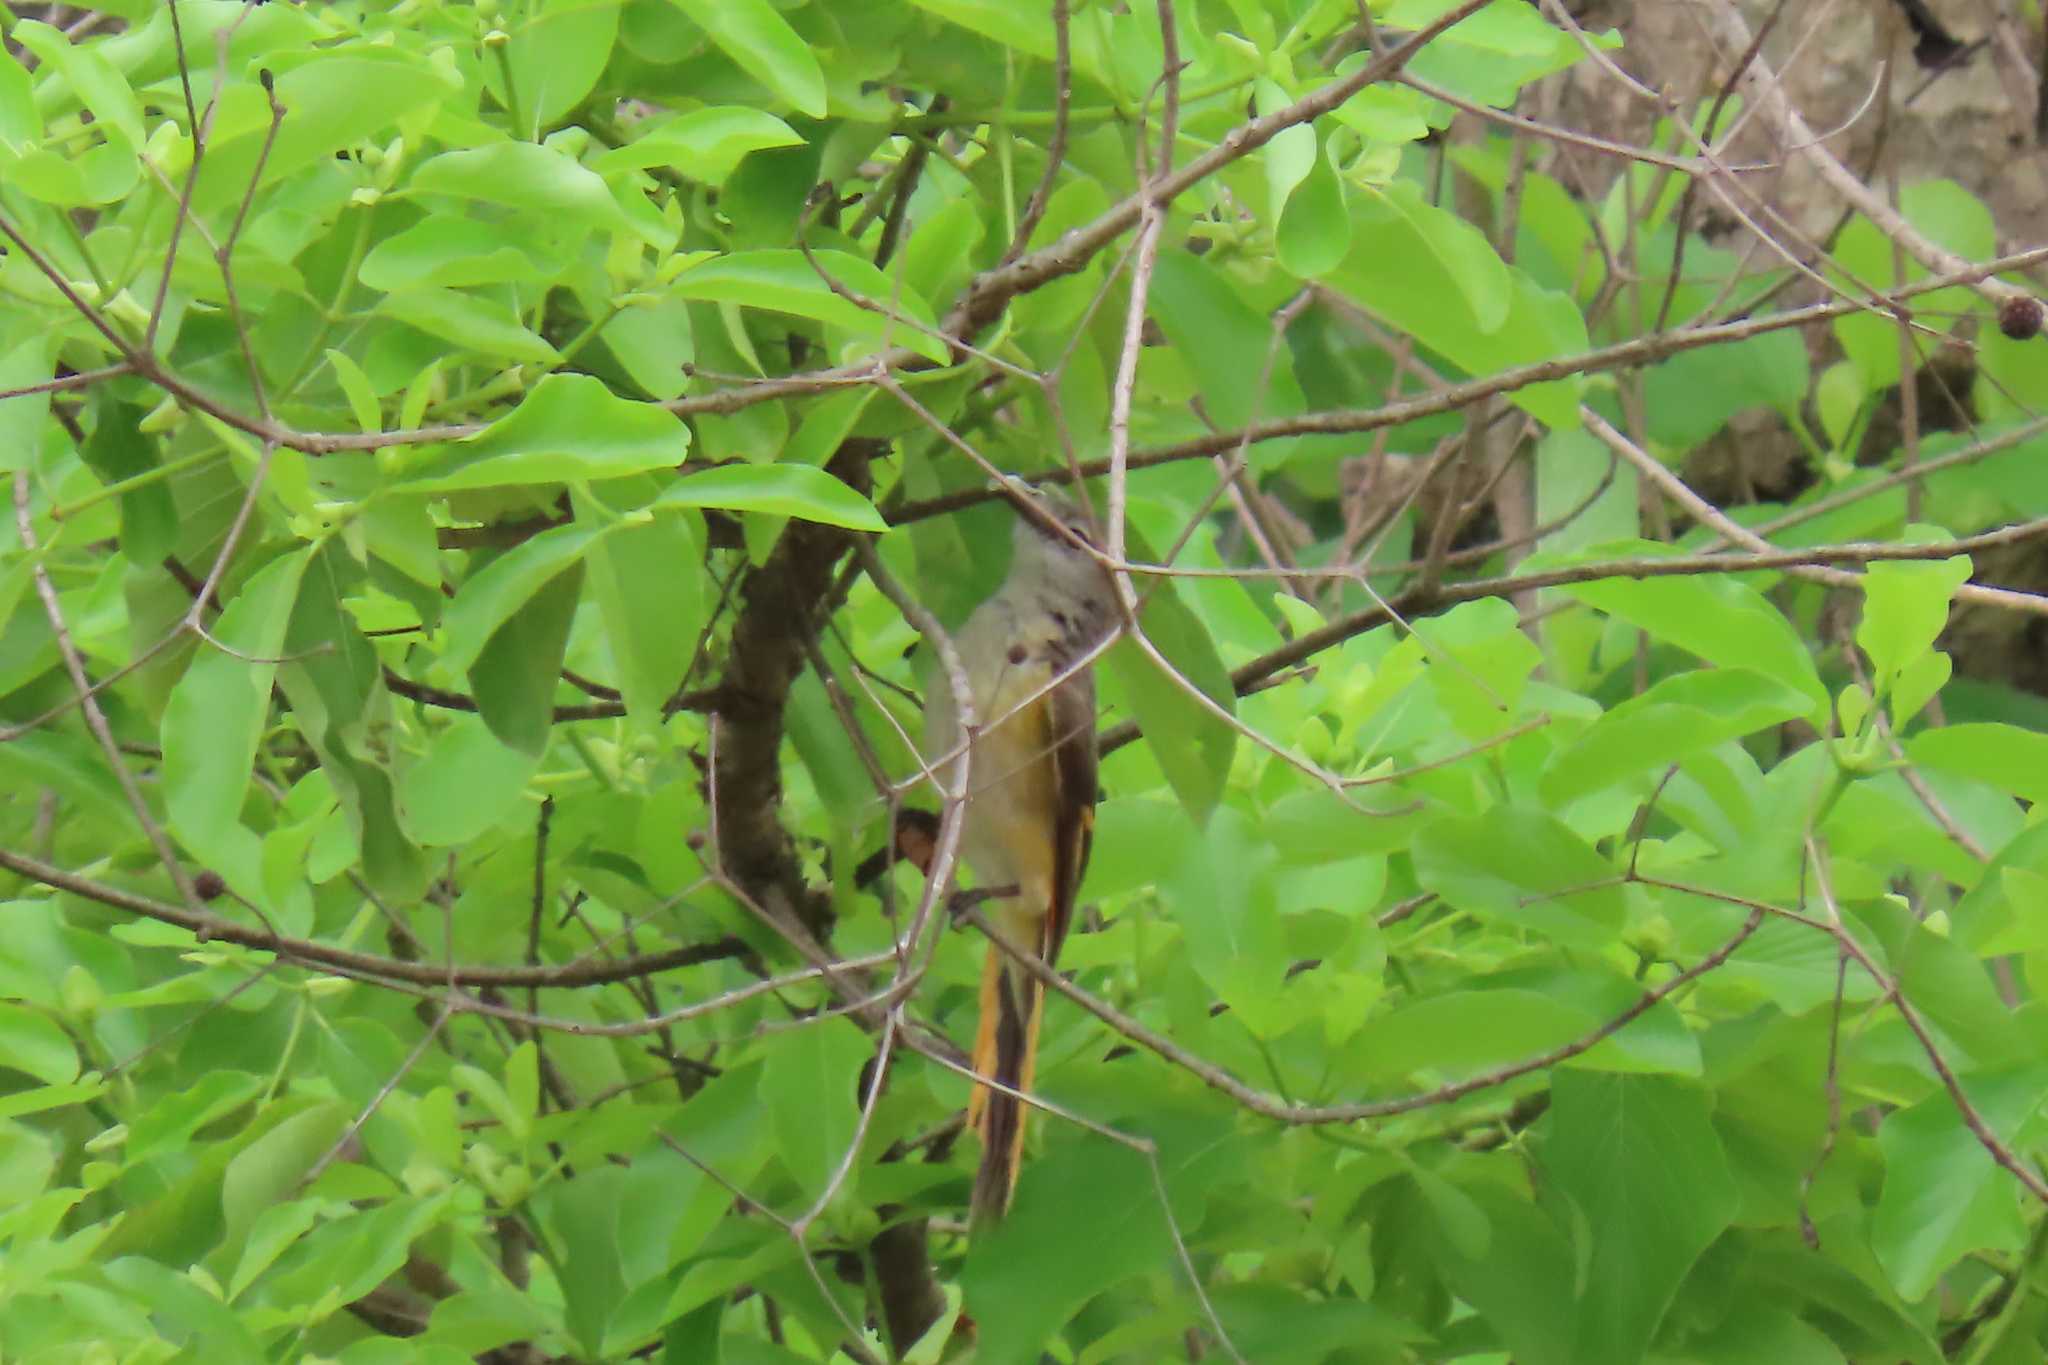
(2021, 317)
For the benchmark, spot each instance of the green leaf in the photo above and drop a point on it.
(1314, 233)
(98, 175)
(1692, 395)
(1764, 1332)
(273, 1232)
(1480, 663)
(1013, 26)
(703, 144)
(1315, 826)
(1905, 606)
(22, 419)
(201, 1320)
(1640, 1160)
(1282, 1326)
(1291, 152)
(1380, 113)
(783, 281)
(649, 586)
(92, 79)
(487, 1093)
(38, 1099)
(1793, 968)
(119, 450)
(822, 742)
(334, 684)
(419, 391)
(522, 1085)
(723, 1125)
(479, 1320)
(655, 343)
(1676, 718)
(570, 427)
(788, 490)
(1944, 1196)
(1086, 1217)
(1523, 867)
(451, 251)
(467, 783)
(765, 47)
(1838, 397)
(264, 1172)
(2011, 759)
(336, 98)
(70, 767)
(1952, 216)
(1917, 684)
(811, 1086)
(1948, 985)
(33, 1043)
(216, 717)
(515, 674)
(356, 387)
(526, 176)
(1505, 29)
(1466, 1032)
(1429, 273)
(1220, 888)
(1192, 744)
(470, 322)
(942, 251)
(345, 1259)
(584, 1217)
(826, 426)
(1520, 1281)
(19, 121)
(170, 1124)
(1224, 340)
(1722, 621)
(554, 58)
(1452, 246)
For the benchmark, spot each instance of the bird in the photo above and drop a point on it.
(1029, 813)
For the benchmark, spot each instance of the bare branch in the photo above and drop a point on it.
(208, 927)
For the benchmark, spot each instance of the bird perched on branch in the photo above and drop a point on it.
(1030, 794)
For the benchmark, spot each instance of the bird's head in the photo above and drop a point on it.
(1056, 538)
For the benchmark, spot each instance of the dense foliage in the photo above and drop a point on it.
(487, 485)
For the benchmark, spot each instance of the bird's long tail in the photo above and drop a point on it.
(1006, 1051)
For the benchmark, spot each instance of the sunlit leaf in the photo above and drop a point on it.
(1639, 1157)
(217, 715)
(766, 48)
(784, 489)
(786, 282)
(570, 427)
(1943, 1194)
(1524, 868)
(703, 144)
(32, 1042)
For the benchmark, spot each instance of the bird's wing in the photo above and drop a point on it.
(1072, 736)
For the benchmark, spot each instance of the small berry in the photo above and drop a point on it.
(2021, 316)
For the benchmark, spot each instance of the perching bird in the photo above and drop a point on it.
(1030, 808)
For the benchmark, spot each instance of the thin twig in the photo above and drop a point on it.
(210, 927)
(95, 718)
(1972, 1119)
(1056, 145)
(1288, 1112)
